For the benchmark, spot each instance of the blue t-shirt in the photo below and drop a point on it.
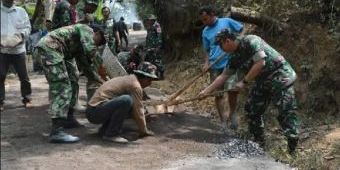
(208, 36)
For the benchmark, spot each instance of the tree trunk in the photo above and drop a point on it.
(256, 18)
(38, 18)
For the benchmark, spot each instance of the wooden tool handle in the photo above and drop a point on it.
(180, 91)
(175, 102)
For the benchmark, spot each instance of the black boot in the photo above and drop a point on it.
(58, 135)
(292, 144)
(71, 121)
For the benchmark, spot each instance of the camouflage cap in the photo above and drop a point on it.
(222, 35)
(95, 2)
(147, 69)
(151, 17)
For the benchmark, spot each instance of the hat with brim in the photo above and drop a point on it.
(152, 75)
(146, 69)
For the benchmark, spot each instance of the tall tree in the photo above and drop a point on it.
(38, 18)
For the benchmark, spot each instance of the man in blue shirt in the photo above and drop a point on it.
(213, 25)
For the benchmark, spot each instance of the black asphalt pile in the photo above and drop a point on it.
(238, 148)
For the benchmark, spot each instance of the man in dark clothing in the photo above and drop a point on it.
(123, 32)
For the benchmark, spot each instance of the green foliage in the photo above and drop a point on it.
(30, 8)
(144, 7)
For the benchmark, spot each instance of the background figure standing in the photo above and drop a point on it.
(110, 29)
(274, 80)
(123, 32)
(77, 41)
(85, 10)
(15, 28)
(64, 14)
(153, 44)
(213, 25)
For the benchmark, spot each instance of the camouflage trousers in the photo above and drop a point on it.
(284, 100)
(155, 58)
(62, 78)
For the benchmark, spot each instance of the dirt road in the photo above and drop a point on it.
(183, 141)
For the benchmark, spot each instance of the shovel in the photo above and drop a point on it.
(180, 91)
(162, 105)
(176, 102)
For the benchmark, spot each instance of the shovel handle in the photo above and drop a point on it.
(180, 91)
(175, 102)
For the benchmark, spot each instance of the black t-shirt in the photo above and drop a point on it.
(121, 27)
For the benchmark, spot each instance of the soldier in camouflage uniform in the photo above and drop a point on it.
(64, 14)
(85, 10)
(110, 29)
(131, 60)
(55, 50)
(153, 44)
(274, 78)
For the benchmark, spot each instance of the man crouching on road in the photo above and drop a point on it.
(118, 97)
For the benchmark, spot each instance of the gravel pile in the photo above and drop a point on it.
(239, 148)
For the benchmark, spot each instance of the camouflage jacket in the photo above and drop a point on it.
(129, 61)
(251, 49)
(74, 41)
(81, 14)
(154, 36)
(109, 28)
(62, 15)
